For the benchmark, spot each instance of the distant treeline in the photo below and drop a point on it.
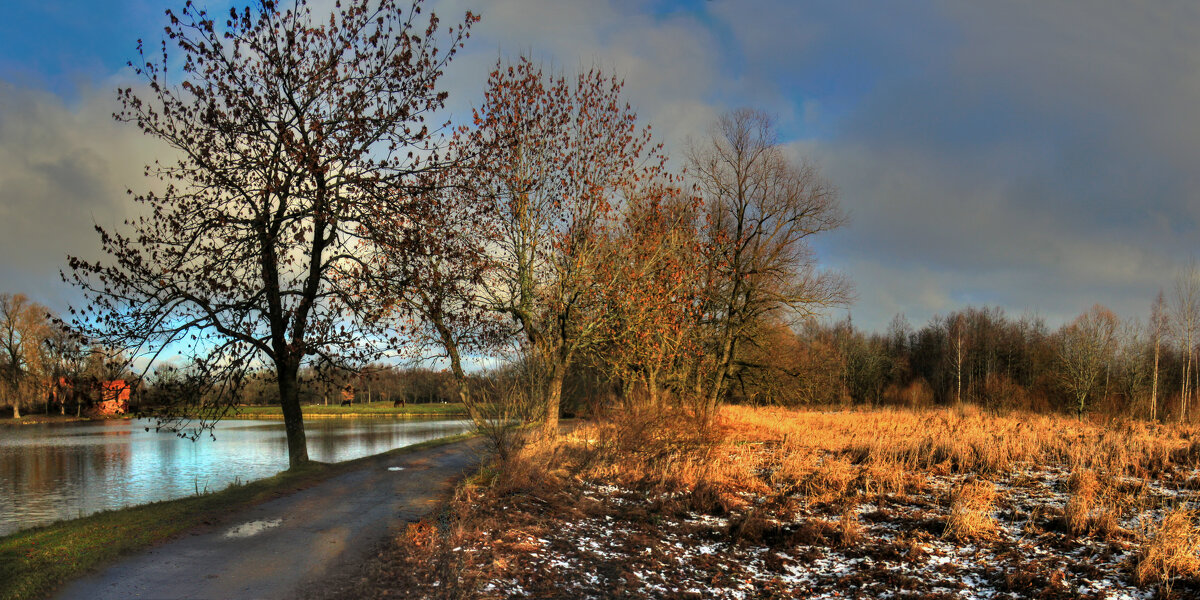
(375, 383)
(1095, 363)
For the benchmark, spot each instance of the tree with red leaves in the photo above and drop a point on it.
(564, 156)
(650, 310)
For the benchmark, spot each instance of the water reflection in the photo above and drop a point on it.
(66, 470)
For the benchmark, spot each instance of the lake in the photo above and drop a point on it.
(66, 470)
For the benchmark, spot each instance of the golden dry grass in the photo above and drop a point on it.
(761, 467)
(840, 458)
(850, 529)
(971, 507)
(969, 441)
(1172, 550)
(1085, 490)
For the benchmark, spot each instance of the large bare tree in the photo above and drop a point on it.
(762, 209)
(294, 133)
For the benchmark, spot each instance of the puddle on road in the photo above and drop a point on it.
(395, 468)
(252, 528)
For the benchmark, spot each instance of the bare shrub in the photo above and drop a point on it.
(917, 394)
(748, 527)
(510, 401)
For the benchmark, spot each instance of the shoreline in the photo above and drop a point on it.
(267, 413)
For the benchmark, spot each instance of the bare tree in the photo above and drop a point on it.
(64, 358)
(1185, 313)
(23, 329)
(1130, 363)
(294, 133)
(762, 209)
(1085, 348)
(959, 341)
(1159, 327)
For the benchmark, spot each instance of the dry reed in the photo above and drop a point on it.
(970, 515)
(1173, 550)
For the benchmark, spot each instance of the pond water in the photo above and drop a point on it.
(66, 470)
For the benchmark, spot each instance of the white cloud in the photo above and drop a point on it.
(1040, 156)
(62, 169)
(670, 64)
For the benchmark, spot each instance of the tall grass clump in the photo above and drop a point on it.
(1173, 550)
(971, 507)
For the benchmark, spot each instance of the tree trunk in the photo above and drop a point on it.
(1154, 385)
(1183, 389)
(1107, 372)
(293, 418)
(724, 370)
(553, 400)
(958, 365)
(652, 388)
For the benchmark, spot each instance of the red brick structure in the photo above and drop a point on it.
(114, 398)
(87, 395)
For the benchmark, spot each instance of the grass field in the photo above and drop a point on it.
(773, 503)
(36, 561)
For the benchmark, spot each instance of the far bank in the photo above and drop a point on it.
(313, 411)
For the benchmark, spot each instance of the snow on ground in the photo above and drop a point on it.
(886, 546)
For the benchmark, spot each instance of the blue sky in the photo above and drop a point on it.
(1036, 156)
(62, 44)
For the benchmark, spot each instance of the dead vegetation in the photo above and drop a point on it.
(971, 508)
(1173, 550)
(780, 503)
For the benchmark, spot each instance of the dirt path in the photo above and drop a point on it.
(284, 546)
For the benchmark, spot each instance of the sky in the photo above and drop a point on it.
(1037, 156)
